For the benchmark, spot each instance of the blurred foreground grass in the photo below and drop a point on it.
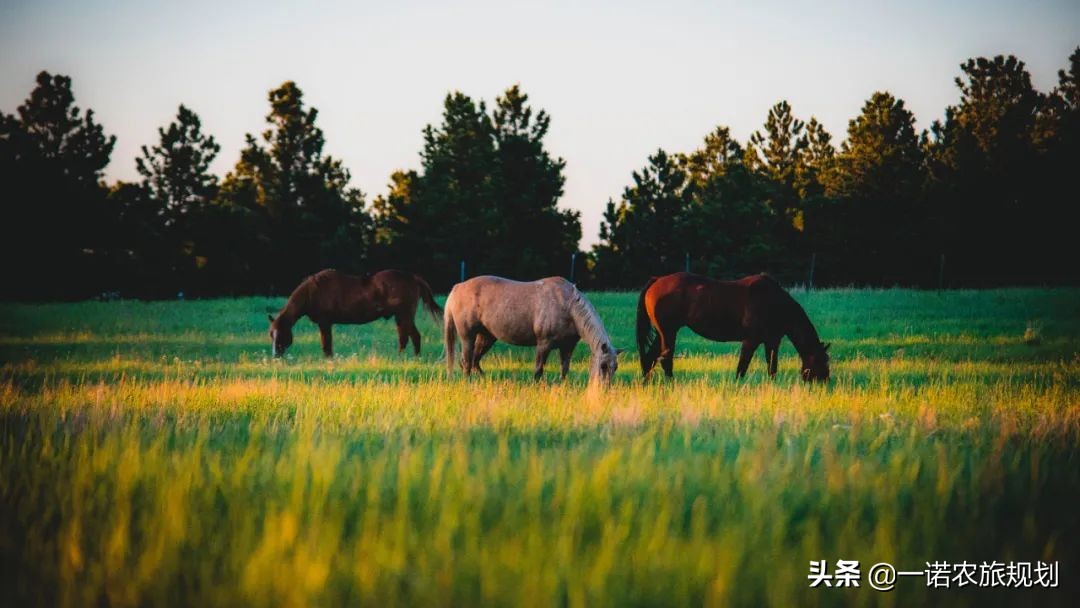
(150, 453)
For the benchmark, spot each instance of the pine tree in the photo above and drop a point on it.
(879, 179)
(486, 193)
(776, 154)
(56, 218)
(180, 188)
(729, 225)
(536, 238)
(176, 171)
(985, 170)
(647, 232)
(435, 218)
(297, 201)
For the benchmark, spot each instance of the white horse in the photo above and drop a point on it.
(548, 314)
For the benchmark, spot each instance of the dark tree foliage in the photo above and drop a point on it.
(57, 221)
(176, 172)
(731, 224)
(1057, 194)
(432, 219)
(293, 205)
(877, 191)
(995, 218)
(647, 232)
(777, 155)
(985, 198)
(486, 194)
(535, 238)
(176, 197)
(987, 195)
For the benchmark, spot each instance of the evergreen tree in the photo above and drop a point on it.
(180, 188)
(487, 193)
(176, 172)
(776, 154)
(730, 223)
(1054, 199)
(301, 212)
(985, 168)
(445, 213)
(536, 238)
(56, 218)
(815, 169)
(879, 178)
(647, 233)
(816, 176)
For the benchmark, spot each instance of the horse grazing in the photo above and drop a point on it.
(548, 314)
(330, 297)
(753, 310)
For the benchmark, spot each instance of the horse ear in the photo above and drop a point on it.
(826, 346)
(270, 317)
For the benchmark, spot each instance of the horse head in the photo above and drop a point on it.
(815, 366)
(281, 337)
(604, 362)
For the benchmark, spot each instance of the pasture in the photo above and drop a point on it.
(153, 453)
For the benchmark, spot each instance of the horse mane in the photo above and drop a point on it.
(589, 324)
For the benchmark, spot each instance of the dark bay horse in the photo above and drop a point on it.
(330, 297)
(753, 310)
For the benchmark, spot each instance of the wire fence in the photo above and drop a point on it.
(917, 269)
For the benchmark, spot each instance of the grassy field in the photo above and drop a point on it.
(151, 453)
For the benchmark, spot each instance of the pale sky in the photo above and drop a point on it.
(619, 79)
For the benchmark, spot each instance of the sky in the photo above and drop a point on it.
(620, 79)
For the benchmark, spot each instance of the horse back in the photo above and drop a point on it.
(718, 310)
(515, 312)
(337, 297)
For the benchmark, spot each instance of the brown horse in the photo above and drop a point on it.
(754, 310)
(330, 297)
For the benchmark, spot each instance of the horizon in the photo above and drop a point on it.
(618, 82)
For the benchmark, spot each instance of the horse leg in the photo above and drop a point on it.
(747, 353)
(402, 336)
(406, 330)
(468, 341)
(772, 355)
(667, 352)
(326, 335)
(566, 352)
(483, 345)
(543, 349)
(414, 335)
(408, 321)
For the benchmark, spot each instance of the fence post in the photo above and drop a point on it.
(573, 264)
(941, 273)
(462, 271)
(813, 262)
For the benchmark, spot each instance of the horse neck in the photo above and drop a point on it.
(801, 332)
(296, 307)
(588, 323)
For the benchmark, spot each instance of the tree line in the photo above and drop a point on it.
(983, 197)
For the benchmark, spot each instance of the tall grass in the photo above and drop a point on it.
(152, 454)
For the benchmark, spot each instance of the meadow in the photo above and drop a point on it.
(152, 453)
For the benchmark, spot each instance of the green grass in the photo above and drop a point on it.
(150, 453)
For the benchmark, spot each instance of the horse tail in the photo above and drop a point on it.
(450, 336)
(428, 298)
(648, 345)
